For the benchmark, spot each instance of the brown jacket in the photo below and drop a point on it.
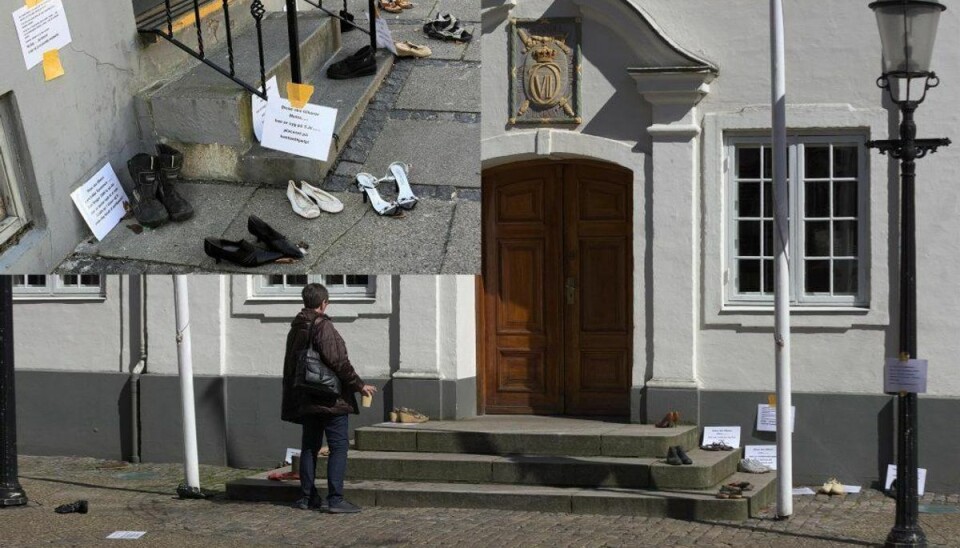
(334, 353)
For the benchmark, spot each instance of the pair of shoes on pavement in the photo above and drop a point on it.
(315, 503)
(155, 181)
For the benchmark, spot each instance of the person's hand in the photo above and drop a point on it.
(368, 390)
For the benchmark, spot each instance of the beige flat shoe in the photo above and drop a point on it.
(410, 416)
(409, 49)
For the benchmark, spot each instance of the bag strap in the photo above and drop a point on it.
(310, 331)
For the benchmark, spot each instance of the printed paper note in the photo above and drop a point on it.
(908, 376)
(767, 454)
(729, 435)
(892, 475)
(41, 28)
(767, 418)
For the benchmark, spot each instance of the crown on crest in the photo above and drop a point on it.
(544, 54)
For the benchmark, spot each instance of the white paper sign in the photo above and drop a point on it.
(803, 491)
(100, 201)
(892, 475)
(851, 489)
(729, 435)
(305, 132)
(126, 535)
(41, 28)
(259, 109)
(767, 418)
(766, 454)
(908, 376)
(291, 452)
(384, 36)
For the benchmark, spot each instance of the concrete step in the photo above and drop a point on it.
(708, 468)
(691, 504)
(524, 435)
(205, 113)
(349, 97)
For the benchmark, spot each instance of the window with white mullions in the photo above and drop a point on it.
(824, 222)
(56, 286)
(289, 286)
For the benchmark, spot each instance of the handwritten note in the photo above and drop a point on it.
(305, 132)
(767, 418)
(259, 107)
(41, 28)
(101, 201)
(908, 376)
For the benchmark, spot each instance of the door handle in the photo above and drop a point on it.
(571, 289)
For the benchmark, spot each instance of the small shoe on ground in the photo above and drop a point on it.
(753, 466)
(241, 253)
(446, 27)
(345, 19)
(730, 492)
(343, 507)
(170, 162)
(146, 185)
(283, 476)
(409, 49)
(397, 172)
(324, 200)
(275, 241)
(405, 4)
(669, 420)
(367, 184)
(411, 416)
(717, 446)
(301, 203)
(742, 485)
(673, 458)
(684, 458)
(390, 6)
(79, 507)
(362, 63)
(395, 415)
(832, 487)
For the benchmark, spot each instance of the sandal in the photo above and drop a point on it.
(368, 186)
(446, 27)
(409, 49)
(728, 492)
(742, 485)
(390, 6)
(410, 416)
(398, 174)
(716, 446)
(404, 4)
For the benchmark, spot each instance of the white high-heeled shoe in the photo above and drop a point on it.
(301, 203)
(368, 186)
(326, 201)
(398, 173)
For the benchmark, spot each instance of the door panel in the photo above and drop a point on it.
(557, 289)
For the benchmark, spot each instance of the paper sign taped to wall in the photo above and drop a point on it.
(305, 132)
(892, 475)
(766, 454)
(908, 376)
(101, 201)
(767, 418)
(259, 107)
(729, 435)
(41, 28)
(384, 36)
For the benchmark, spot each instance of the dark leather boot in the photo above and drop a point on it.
(672, 456)
(170, 162)
(146, 182)
(684, 458)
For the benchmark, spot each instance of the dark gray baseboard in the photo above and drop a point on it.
(446, 399)
(660, 401)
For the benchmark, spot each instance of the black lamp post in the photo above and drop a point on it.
(908, 29)
(11, 494)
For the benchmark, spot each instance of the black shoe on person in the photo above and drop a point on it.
(361, 63)
(146, 183)
(343, 507)
(170, 162)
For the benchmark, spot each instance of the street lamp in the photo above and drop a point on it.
(908, 29)
(11, 494)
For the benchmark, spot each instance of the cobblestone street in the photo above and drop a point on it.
(140, 498)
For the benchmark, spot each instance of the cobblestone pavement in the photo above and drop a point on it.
(140, 498)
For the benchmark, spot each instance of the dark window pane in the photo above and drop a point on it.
(355, 279)
(768, 162)
(768, 238)
(845, 161)
(18, 280)
(817, 199)
(768, 276)
(90, 280)
(817, 238)
(36, 280)
(768, 199)
(817, 164)
(817, 276)
(845, 199)
(845, 277)
(748, 163)
(749, 197)
(749, 276)
(274, 279)
(296, 279)
(749, 238)
(69, 280)
(845, 238)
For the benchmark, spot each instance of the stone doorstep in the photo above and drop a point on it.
(680, 504)
(612, 440)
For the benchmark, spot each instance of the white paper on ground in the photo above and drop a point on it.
(766, 454)
(291, 452)
(892, 475)
(100, 201)
(767, 418)
(729, 435)
(908, 376)
(851, 489)
(305, 132)
(259, 107)
(126, 535)
(41, 28)
(803, 491)
(384, 36)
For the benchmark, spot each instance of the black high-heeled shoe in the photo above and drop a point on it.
(241, 253)
(271, 238)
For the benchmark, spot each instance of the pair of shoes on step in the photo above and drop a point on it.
(397, 173)
(243, 253)
(669, 420)
(677, 456)
(734, 490)
(362, 62)
(407, 416)
(753, 466)
(309, 201)
(155, 181)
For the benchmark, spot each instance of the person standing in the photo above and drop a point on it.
(319, 415)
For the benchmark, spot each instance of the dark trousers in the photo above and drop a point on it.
(336, 429)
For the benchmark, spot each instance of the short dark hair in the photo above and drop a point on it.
(314, 295)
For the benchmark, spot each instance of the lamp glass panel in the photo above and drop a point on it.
(908, 32)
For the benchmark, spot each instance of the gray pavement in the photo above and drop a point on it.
(425, 114)
(140, 498)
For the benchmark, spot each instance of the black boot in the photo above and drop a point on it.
(672, 456)
(684, 458)
(146, 182)
(79, 507)
(170, 161)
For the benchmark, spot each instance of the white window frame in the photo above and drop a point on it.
(16, 217)
(261, 291)
(798, 296)
(54, 289)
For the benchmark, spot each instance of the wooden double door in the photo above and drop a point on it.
(557, 299)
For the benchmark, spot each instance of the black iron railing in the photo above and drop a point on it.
(162, 25)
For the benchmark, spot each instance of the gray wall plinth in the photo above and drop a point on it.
(660, 401)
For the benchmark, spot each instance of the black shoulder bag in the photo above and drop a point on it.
(313, 376)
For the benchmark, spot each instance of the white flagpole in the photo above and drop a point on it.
(781, 287)
(184, 357)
